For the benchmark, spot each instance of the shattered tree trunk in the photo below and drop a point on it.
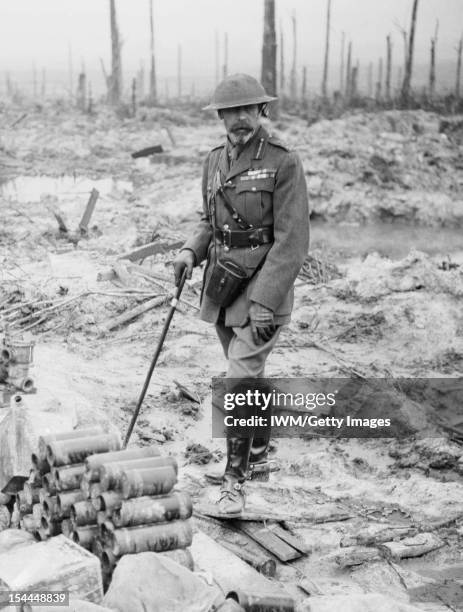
(341, 76)
(293, 84)
(405, 94)
(379, 82)
(304, 87)
(370, 79)
(82, 91)
(225, 55)
(153, 95)
(432, 65)
(432, 69)
(353, 82)
(388, 67)
(179, 71)
(116, 66)
(269, 52)
(348, 71)
(327, 50)
(282, 64)
(458, 76)
(217, 58)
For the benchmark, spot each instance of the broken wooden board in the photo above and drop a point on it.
(88, 212)
(356, 555)
(228, 571)
(255, 514)
(262, 563)
(240, 544)
(289, 537)
(269, 540)
(152, 248)
(147, 151)
(416, 546)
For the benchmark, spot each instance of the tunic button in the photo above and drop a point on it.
(253, 188)
(226, 226)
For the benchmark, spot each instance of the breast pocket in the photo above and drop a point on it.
(256, 198)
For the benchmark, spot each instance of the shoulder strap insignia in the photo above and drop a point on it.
(275, 141)
(220, 145)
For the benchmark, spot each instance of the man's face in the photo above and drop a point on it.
(240, 122)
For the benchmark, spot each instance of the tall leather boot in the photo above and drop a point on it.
(232, 499)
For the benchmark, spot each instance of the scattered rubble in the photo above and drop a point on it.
(94, 298)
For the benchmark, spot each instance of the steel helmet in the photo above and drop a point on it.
(238, 90)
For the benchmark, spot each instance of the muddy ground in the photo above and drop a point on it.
(382, 297)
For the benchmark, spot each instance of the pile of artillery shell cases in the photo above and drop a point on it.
(110, 501)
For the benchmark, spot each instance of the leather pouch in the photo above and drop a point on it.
(227, 281)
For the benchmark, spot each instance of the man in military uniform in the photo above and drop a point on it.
(255, 213)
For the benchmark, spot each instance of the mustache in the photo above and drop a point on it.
(241, 125)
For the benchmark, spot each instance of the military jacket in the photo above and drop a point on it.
(266, 185)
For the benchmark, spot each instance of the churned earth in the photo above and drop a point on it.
(380, 297)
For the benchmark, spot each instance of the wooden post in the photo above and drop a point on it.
(388, 67)
(458, 76)
(269, 51)
(341, 79)
(432, 65)
(293, 83)
(327, 50)
(225, 55)
(179, 71)
(405, 94)
(370, 80)
(153, 90)
(348, 70)
(116, 66)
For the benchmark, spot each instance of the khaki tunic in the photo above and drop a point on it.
(266, 185)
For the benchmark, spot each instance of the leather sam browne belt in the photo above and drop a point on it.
(253, 237)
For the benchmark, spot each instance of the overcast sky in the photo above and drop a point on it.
(41, 31)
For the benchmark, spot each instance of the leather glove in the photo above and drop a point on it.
(262, 323)
(185, 259)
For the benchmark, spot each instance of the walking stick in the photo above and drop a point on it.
(173, 307)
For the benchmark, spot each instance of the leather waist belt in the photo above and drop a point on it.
(253, 237)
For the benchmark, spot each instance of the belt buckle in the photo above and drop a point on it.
(257, 234)
(226, 235)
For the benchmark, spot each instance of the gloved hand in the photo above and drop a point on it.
(184, 259)
(262, 323)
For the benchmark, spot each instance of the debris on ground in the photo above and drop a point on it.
(378, 297)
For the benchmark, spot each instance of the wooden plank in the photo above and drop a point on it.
(266, 538)
(152, 248)
(260, 561)
(83, 225)
(289, 538)
(133, 313)
(224, 533)
(229, 572)
(415, 546)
